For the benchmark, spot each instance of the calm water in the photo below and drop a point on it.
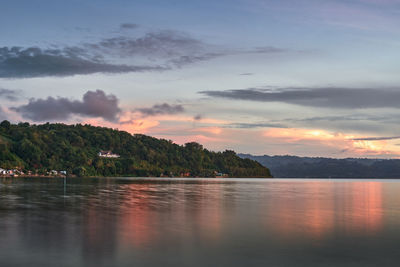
(199, 222)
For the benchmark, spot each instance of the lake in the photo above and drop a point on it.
(199, 222)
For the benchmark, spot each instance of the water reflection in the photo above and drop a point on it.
(137, 217)
(367, 208)
(186, 222)
(321, 208)
(149, 211)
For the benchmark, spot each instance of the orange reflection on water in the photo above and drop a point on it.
(366, 213)
(320, 208)
(311, 215)
(320, 215)
(146, 219)
(210, 212)
(137, 218)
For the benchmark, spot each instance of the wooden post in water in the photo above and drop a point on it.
(65, 185)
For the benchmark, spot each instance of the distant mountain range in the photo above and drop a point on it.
(307, 167)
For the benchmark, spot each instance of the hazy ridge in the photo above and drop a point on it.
(318, 167)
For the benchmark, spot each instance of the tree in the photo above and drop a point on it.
(75, 148)
(5, 126)
(79, 171)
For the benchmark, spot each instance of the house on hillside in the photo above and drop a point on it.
(107, 154)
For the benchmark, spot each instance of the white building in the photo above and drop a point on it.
(107, 154)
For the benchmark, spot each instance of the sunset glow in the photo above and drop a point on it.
(294, 79)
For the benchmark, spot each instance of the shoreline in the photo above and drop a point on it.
(127, 176)
(34, 176)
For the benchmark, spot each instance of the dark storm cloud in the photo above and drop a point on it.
(34, 62)
(348, 98)
(161, 109)
(376, 138)
(11, 95)
(94, 104)
(129, 26)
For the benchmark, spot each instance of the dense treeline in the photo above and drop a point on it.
(75, 148)
(306, 167)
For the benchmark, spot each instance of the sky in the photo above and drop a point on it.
(297, 77)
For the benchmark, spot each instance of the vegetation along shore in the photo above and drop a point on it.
(84, 150)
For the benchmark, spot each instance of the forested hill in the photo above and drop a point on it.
(75, 148)
(307, 167)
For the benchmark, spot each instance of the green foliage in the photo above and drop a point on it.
(5, 126)
(75, 148)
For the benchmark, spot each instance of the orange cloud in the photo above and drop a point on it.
(202, 139)
(139, 126)
(211, 133)
(131, 126)
(182, 118)
(345, 142)
(211, 130)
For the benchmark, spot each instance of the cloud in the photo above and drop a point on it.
(256, 125)
(376, 138)
(165, 44)
(190, 59)
(94, 104)
(11, 95)
(320, 139)
(210, 130)
(171, 44)
(132, 126)
(154, 51)
(381, 124)
(129, 26)
(266, 50)
(171, 47)
(348, 98)
(161, 109)
(198, 117)
(16, 62)
(346, 117)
